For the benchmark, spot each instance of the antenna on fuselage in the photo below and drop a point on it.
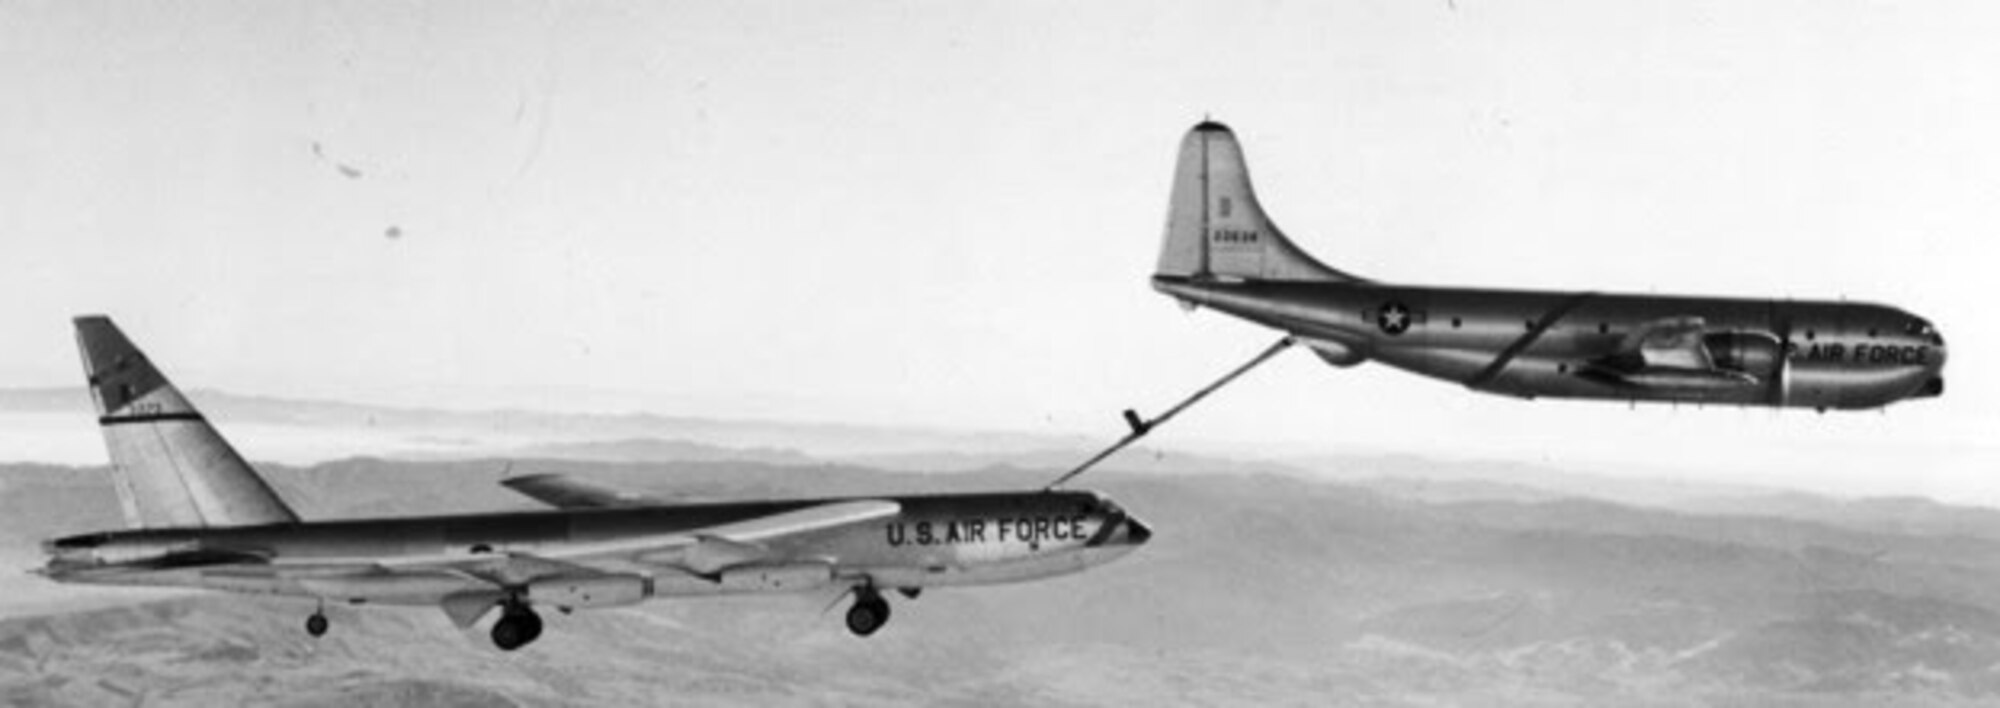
(1141, 426)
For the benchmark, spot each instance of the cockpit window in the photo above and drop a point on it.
(1920, 328)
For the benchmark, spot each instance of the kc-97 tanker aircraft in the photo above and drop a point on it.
(201, 517)
(1220, 251)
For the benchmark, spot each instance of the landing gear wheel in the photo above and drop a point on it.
(316, 624)
(516, 627)
(868, 614)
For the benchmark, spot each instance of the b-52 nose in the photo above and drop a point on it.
(1132, 533)
(1136, 533)
(1121, 533)
(1934, 386)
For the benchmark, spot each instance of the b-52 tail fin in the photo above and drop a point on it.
(1216, 228)
(169, 466)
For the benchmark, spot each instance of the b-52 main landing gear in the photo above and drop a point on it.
(316, 623)
(518, 625)
(869, 612)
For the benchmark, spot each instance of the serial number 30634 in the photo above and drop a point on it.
(1034, 529)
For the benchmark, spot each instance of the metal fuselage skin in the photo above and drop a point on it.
(1823, 355)
(935, 540)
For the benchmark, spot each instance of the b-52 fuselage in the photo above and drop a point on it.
(1221, 252)
(201, 517)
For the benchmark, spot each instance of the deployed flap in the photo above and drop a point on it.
(505, 569)
(711, 554)
(565, 492)
(465, 608)
(385, 585)
(513, 569)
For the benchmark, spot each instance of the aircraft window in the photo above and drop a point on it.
(1871, 333)
(1527, 324)
(1809, 335)
(1603, 328)
(1924, 329)
(1454, 323)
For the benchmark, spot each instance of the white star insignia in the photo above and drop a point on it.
(1394, 318)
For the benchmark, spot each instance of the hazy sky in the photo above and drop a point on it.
(945, 213)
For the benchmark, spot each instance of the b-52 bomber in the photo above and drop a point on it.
(201, 517)
(1222, 252)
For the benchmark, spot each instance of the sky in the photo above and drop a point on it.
(944, 213)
